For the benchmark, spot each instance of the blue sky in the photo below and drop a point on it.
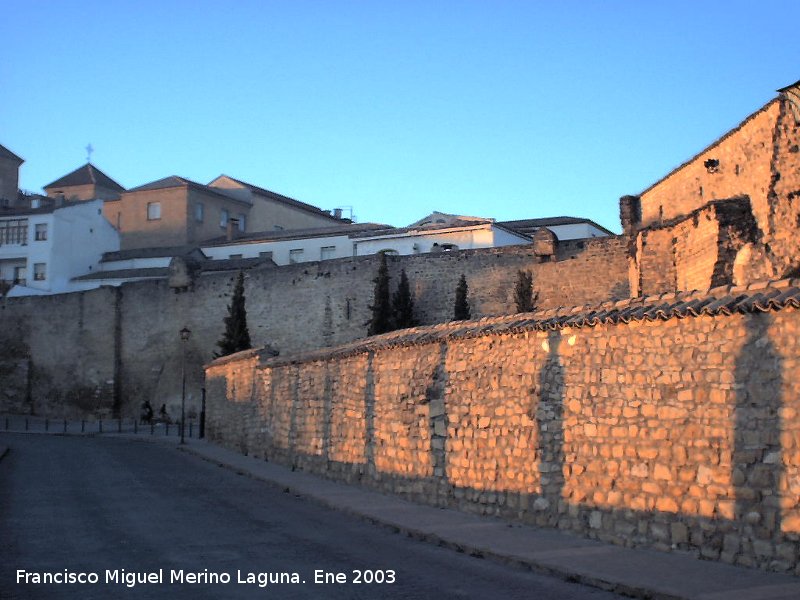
(501, 109)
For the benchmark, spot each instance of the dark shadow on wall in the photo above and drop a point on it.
(369, 418)
(437, 414)
(549, 417)
(757, 467)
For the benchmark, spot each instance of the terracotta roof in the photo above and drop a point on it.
(86, 175)
(6, 153)
(286, 200)
(726, 300)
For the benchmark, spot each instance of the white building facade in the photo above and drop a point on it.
(42, 250)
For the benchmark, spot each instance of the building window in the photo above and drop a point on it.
(153, 211)
(19, 276)
(265, 255)
(295, 256)
(39, 272)
(327, 252)
(235, 256)
(40, 232)
(14, 232)
(199, 212)
(224, 215)
(241, 223)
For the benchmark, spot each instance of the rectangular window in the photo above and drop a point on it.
(295, 256)
(14, 232)
(327, 252)
(39, 272)
(153, 211)
(241, 222)
(40, 232)
(199, 212)
(265, 254)
(223, 217)
(19, 276)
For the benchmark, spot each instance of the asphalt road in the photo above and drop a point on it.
(94, 505)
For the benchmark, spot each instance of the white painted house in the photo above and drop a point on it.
(42, 249)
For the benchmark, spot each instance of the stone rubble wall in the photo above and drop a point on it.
(675, 433)
(759, 159)
(93, 352)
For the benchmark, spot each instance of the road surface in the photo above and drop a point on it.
(117, 518)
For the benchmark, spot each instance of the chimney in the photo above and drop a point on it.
(337, 213)
(630, 213)
(232, 230)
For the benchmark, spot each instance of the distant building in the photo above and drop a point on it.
(9, 177)
(84, 183)
(43, 249)
(565, 228)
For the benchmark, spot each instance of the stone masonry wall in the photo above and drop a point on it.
(62, 347)
(124, 341)
(619, 424)
(758, 159)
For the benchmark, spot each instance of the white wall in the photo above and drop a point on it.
(312, 248)
(466, 238)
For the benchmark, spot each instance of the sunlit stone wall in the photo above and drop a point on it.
(676, 433)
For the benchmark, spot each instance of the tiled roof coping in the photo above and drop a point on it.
(724, 300)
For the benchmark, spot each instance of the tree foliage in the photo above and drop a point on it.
(524, 296)
(236, 337)
(381, 320)
(403, 304)
(461, 310)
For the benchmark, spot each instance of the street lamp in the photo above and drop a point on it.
(185, 333)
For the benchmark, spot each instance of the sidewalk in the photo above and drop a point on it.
(641, 572)
(637, 572)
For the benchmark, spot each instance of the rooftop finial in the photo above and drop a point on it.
(89, 151)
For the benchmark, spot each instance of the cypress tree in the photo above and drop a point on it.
(236, 337)
(461, 311)
(524, 298)
(381, 320)
(403, 304)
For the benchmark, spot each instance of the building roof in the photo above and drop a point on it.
(432, 228)
(87, 174)
(285, 199)
(528, 226)
(155, 252)
(125, 274)
(296, 234)
(6, 153)
(174, 181)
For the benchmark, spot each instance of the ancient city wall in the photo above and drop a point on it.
(58, 355)
(670, 422)
(759, 159)
(123, 342)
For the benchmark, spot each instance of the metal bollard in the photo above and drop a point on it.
(152, 428)
(100, 426)
(65, 426)
(47, 424)
(83, 426)
(26, 423)
(119, 425)
(135, 426)
(190, 428)
(6, 423)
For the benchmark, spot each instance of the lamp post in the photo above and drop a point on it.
(185, 333)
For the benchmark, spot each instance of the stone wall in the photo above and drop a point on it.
(696, 252)
(758, 159)
(63, 347)
(670, 422)
(123, 342)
